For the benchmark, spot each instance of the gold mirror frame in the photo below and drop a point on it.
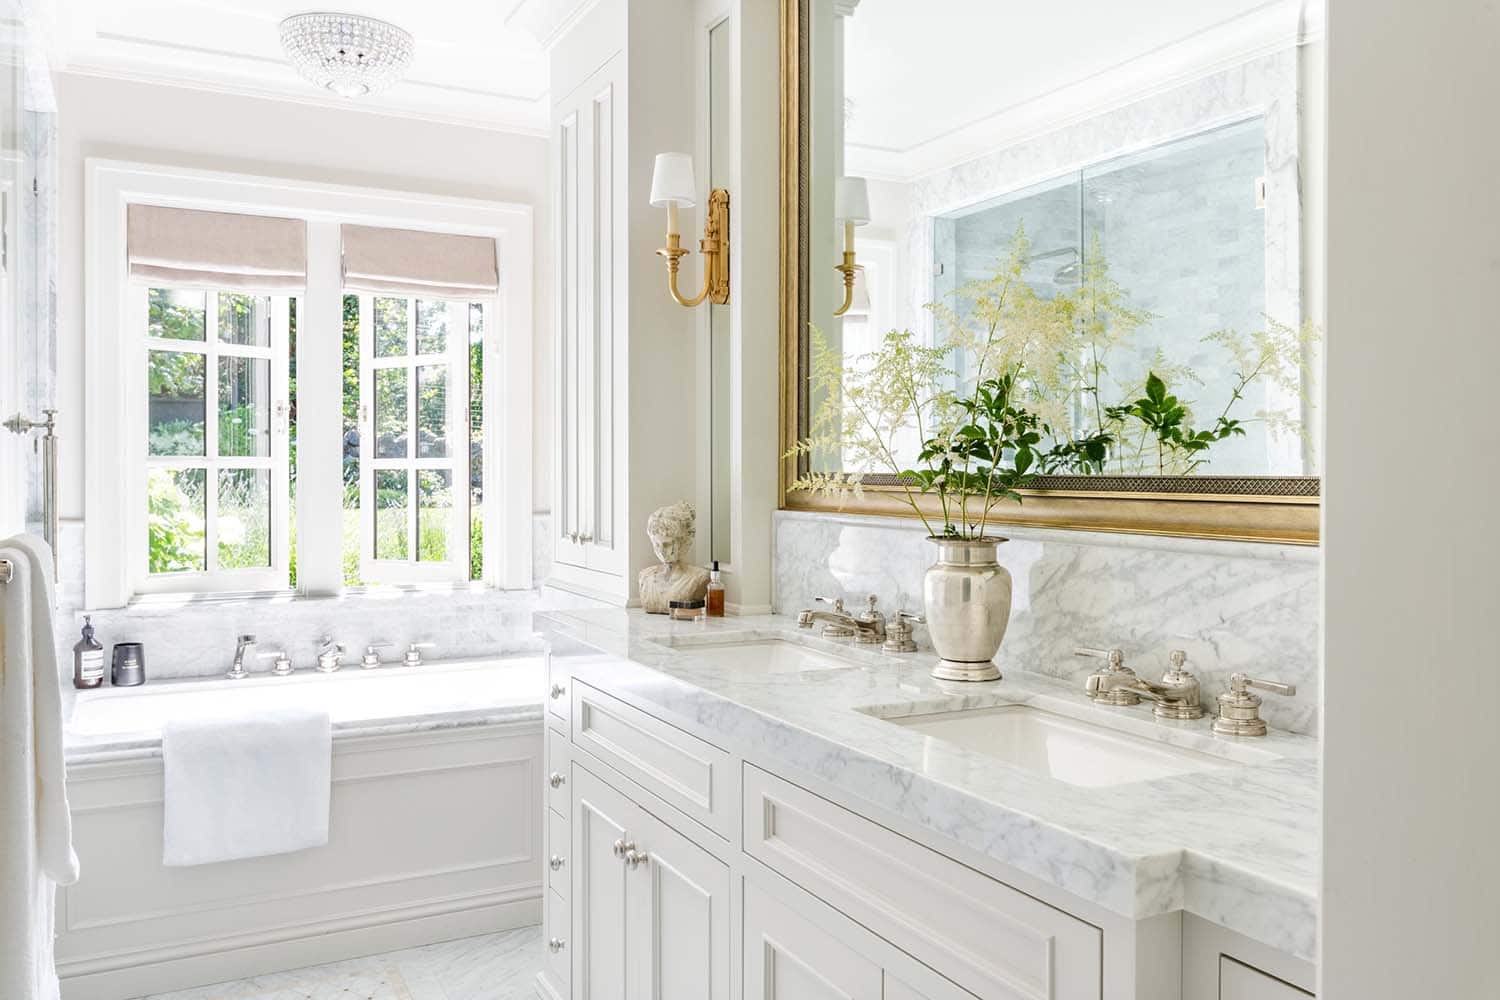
(1244, 508)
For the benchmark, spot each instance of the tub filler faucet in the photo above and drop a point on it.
(245, 645)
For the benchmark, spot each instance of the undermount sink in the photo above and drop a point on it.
(1059, 747)
(769, 655)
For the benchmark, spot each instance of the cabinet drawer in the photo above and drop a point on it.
(557, 773)
(990, 939)
(683, 770)
(559, 844)
(559, 947)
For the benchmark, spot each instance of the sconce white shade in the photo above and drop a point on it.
(672, 181)
(851, 200)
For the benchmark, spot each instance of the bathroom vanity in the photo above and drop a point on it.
(742, 808)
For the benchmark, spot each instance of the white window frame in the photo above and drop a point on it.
(112, 575)
(456, 463)
(136, 470)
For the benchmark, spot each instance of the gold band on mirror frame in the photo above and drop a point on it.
(1256, 509)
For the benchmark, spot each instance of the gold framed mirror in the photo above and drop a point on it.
(1176, 219)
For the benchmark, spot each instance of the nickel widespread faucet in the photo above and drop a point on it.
(1176, 696)
(867, 628)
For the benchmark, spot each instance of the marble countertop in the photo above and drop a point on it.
(1237, 845)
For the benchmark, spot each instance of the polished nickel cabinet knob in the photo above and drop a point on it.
(556, 945)
(623, 847)
(558, 691)
(556, 862)
(635, 858)
(555, 780)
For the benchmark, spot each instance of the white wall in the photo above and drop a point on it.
(209, 130)
(1411, 801)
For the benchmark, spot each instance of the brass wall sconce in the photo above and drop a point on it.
(672, 186)
(851, 206)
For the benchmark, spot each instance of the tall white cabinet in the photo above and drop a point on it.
(624, 353)
(588, 188)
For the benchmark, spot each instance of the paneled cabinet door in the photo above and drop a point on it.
(788, 958)
(599, 886)
(588, 189)
(650, 907)
(679, 916)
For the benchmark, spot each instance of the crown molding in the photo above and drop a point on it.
(1275, 27)
(524, 117)
(546, 21)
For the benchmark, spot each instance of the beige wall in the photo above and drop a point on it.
(207, 130)
(1411, 800)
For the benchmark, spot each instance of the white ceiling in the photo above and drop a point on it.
(933, 83)
(477, 62)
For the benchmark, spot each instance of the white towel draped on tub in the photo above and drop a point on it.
(36, 830)
(245, 787)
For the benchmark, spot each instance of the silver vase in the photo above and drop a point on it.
(967, 597)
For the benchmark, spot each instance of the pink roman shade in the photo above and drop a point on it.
(183, 246)
(409, 262)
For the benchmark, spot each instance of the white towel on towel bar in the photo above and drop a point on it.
(36, 832)
(245, 787)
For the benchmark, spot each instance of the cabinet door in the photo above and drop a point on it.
(588, 182)
(679, 916)
(1238, 981)
(788, 958)
(599, 905)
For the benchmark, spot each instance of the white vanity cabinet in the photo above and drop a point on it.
(676, 852)
(1220, 965)
(650, 907)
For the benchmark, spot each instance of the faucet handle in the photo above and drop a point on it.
(898, 632)
(837, 602)
(1178, 670)
(413, 657)
(371, 659)
(1239, 682)
(283, 665)
(1115, 657)
(1239, 709)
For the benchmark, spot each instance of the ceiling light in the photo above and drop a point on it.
(345, 53)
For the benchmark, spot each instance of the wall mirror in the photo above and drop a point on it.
(1108, 215)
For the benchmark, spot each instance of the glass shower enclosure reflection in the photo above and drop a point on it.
(1179, 231)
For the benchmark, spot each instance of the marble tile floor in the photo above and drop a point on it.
(491, 967)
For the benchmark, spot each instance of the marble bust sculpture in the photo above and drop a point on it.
(672, 530)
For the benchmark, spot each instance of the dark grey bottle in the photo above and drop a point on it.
(88, 659)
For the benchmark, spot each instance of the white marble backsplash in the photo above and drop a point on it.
(1232, 606)
(195, 636)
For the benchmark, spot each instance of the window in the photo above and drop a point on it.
(215, 434)
(414, 496)
(287, 386)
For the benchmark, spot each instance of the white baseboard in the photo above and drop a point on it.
(226, 960)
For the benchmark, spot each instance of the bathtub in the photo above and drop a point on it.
(435, 828)
(122, 719)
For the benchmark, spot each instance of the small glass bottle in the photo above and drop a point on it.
(715, 597)
(88, 659)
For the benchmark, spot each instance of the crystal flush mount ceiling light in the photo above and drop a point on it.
(345, 53)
